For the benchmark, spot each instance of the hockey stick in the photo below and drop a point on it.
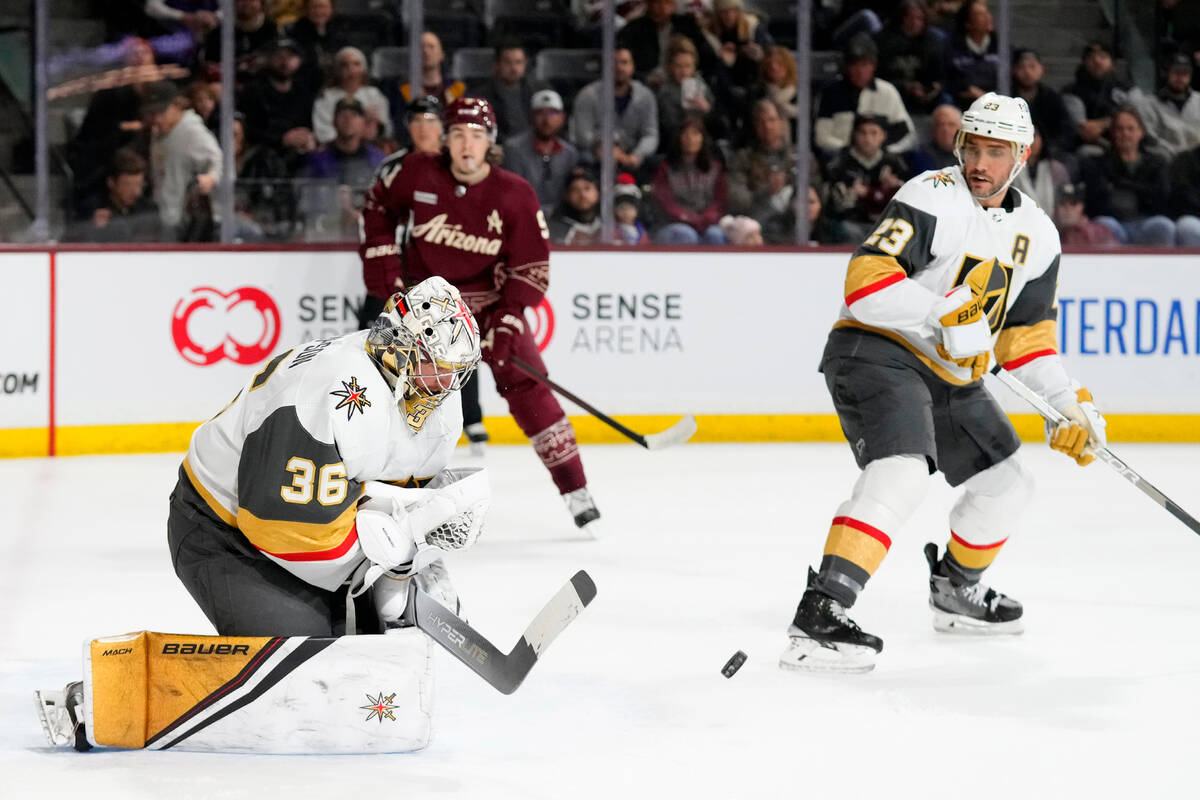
(678, 433)
(504, 672)
(1104, 454)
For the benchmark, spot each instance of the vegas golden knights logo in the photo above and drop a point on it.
(989, 281)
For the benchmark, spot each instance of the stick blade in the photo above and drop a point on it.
(678, 433)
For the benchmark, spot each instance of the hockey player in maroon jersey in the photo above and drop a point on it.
(479, 227)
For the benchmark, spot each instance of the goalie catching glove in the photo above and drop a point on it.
(1083, 432)
(966, 337)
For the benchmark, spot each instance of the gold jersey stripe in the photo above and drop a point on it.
(1014, 343)
(218, 509)
(863, 271)
(282, 538)
(938, 368)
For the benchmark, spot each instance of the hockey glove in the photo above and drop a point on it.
(966, 337)
(1083, 433)
(507, 325)
(391, 540)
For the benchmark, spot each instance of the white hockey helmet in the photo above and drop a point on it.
(426, 345)
(998, 116)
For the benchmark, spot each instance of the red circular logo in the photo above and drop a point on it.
(208, 325)
(541, 323)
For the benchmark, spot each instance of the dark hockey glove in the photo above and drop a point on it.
(507, 325)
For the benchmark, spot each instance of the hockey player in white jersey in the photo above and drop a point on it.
(959, 265)
(270, 517)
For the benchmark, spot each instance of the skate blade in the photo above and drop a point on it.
(52, 712)
(592, 530)
(477, 449)
(961, 625)
(808, 655)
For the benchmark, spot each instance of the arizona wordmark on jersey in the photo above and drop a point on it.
(934, 236)
(284, 463)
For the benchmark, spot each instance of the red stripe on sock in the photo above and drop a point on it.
(873, 532)
(965, 543)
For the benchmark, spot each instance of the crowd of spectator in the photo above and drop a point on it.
(705, 140)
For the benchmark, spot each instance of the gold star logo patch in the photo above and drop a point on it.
(380, 707)
(354, 397)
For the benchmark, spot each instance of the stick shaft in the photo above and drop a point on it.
(1127, 472)
(586, 406)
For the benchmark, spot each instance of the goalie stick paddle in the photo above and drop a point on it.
(1127, 472)
(504, 672)
(678, 433)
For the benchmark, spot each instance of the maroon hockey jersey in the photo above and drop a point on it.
(490, 240)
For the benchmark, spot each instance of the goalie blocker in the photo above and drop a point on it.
(285, 695)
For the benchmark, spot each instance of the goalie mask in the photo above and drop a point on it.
(425, 344)
(998, 116)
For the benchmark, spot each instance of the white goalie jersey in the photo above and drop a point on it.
(934, 236)
(286, 460)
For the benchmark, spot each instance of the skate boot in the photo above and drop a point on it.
(824, 639)
(477, 439)
(583, 509)
(970, 608)
(61, 715)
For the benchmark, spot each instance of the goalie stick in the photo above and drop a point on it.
(504, 672)
(678, 433)
(1127, 472)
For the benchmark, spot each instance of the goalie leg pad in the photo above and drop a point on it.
(287, 695)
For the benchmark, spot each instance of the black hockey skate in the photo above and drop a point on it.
(477, 438)
(61, 715)
(823, 639)
(972, 609)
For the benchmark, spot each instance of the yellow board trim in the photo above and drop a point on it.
(174, 437)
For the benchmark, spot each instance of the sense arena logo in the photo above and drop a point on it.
(209, 325)
(541, 324)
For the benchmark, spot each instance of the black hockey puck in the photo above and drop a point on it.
(733, 664)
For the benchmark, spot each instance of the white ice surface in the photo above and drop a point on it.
(704, 553)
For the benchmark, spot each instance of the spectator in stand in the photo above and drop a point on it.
(859, 92)
(339, 174)
(1043, 175)
(739, 39)
(204, 97)
(741, 231)
(577, 219)
(127, 214)
(635, 131)
(973, 60)
(510, 90)
(1174, 113)
(938, 153)
(285, 12)
(1183, 196)
(1046, 106)
(253, 37)
(113, 120)
(863, 177)
(912, 56)
(540, 155)
(320, 34)
(627, 201)
(264, 197)
(777, 83)
(351, 80)
(646, 39)
(684, 93)
(433, 81)
(587, 18)
(1127, 187)
(761, 180)
(822, 229)
(1094, 97)
(278, 108)
(186, 163)
(424, 126)
(1074, 227)
(689, 188)
(187, 23)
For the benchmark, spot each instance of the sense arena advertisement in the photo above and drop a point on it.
(167, 338)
